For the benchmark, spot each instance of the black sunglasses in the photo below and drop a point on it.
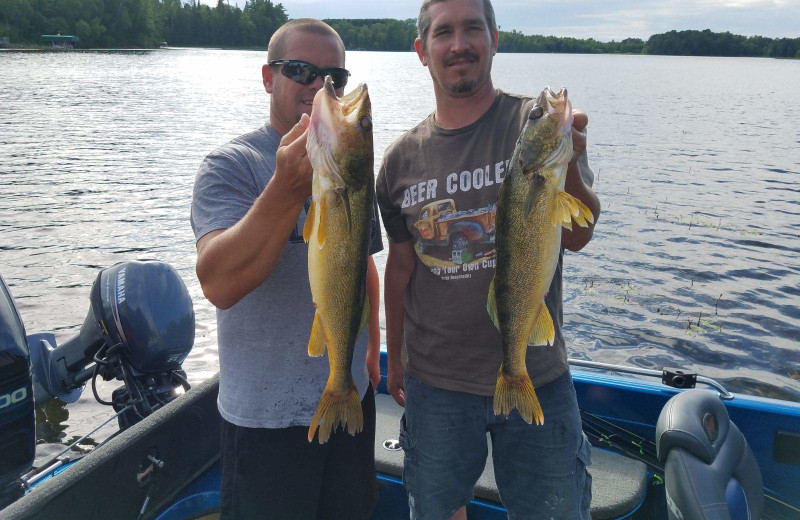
(304, 73)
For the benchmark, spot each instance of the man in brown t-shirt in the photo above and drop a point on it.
(437, 189)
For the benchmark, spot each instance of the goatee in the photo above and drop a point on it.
(463, 86)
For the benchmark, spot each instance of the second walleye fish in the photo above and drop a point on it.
(531, 209)
(337, 230)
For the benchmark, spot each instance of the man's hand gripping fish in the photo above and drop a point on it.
(531, 209)
(337, 229)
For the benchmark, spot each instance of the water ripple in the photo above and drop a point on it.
(694, 263)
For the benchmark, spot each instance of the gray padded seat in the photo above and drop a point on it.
(710, 471)
(618, 483)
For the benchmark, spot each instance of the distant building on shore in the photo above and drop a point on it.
(58, 40)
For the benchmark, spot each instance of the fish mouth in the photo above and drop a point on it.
(326, 102)
(329, 88)
(557, 103)
(333, 120)
(352, 101)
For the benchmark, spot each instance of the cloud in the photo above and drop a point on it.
(610, 19)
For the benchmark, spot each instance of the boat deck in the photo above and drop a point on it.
(619, 484)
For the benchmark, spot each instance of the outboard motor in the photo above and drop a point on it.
(17, 418)
(710, 471)
(139, 329)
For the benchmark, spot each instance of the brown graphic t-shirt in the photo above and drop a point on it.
(439, 188)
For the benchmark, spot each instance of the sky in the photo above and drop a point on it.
(600, 19)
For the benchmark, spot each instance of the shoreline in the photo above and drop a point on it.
(262, 49)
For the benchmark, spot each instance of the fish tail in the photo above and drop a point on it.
(337, 407)
(517, 392)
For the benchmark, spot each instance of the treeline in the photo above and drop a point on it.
(147, 23)
(376, 34)
(707, 43)
(142, 23)
(517, 42)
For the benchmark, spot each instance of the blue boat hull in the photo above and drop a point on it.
(620, 414)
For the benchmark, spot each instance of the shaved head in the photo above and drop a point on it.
(276, 50)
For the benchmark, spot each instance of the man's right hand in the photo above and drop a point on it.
(394, 381)
(233, 262)
(293, 171)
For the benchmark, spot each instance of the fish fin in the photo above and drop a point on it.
(335, 408)
(543, 330)
(365, 310)
(316, 342)
(321, 214)
(569, 208)
(491, 305)
(585, 213)
(342, 192)
(517, 392)
(564, 208)
(308, 227)
(530, 200)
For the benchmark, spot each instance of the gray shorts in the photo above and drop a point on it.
(540, 470)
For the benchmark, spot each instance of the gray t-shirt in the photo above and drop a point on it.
(439, 188)
(267, 379)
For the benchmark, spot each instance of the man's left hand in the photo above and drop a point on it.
(579, 122)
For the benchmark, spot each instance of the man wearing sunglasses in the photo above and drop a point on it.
(248, 210)
(436, 294)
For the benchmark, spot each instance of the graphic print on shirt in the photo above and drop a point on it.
(451, 240)
(450, 237)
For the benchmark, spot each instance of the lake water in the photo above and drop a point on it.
(695, 262)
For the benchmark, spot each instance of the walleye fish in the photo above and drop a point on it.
(531, 209)
(337, 229)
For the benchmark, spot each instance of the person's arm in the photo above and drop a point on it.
(399, 267)
(575, 185)
(374, 341)
(234, 261)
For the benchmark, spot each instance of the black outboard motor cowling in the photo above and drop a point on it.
(145, 306)
(17, 418)
(139, 329)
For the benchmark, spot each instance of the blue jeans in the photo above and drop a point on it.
(540, 470)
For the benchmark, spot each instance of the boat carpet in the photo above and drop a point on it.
(619, 483)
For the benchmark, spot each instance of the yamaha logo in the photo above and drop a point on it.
(121, 286)
(14, 397)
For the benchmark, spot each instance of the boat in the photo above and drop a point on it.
(166, 465)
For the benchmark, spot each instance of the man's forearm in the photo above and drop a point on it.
(239, 259)
(374, 296)
(576, 239)
(395, 283)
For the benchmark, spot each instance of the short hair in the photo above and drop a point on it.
(276, 48)
(424, 18)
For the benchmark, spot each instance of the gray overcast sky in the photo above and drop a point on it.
(604, 20)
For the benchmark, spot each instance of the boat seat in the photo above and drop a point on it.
(710, 471)
(618, 483)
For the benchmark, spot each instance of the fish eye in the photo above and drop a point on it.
(366, 123)
(536, 113)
